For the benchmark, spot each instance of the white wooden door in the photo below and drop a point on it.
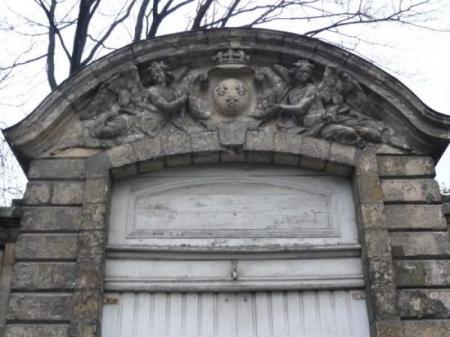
(233, 250)
(339, 313)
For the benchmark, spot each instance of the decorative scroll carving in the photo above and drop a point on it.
(232, 94)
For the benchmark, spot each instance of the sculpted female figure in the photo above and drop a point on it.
(162, 100)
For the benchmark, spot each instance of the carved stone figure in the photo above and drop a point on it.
(233, 95)
(332, 108)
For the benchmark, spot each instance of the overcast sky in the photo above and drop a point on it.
(418, 58)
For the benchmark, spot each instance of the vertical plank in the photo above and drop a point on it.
(127, 313)
(244, 315)
(279, 313)
(226, 313)
(175, 312)
(159, 315)
(327, 313)
(311, 314)
(263, 314)
(190, 326)
(294, 312)
(343, 328)
(206, 315)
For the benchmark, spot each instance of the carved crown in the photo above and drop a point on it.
(231, 56)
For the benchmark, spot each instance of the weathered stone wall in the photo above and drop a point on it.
(57, 279)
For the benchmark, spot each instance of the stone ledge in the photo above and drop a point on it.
(420, 244)
(57, 169)
(415, 190)
(43, 276)
(37, 330)
(422, 273)
(46, 246)
(42, 307)
(424, 303)
(54, 218)
(414, 217)
(426, 328)
(399, 166)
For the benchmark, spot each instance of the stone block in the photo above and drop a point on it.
(205, 157)
(37, 330)
(315, 148)
(151, 165)
(231, 156)
(420, 244)
(339, 169)
(383, 294)
(98, 166)
(176, 144)
(90, 274)
(84, 328)
(232, 135)
(422, 273)
(147, 148)
(69, 193)
(288, 143)
(91, 244)
(260, 141)
(94, 217)
(46, 246)
(179, 160)
(126, 171)
(366, 163)
(43, 276)
(426, 328)
(377, 243)
(407, 190)
(121, 155)
(398, 166)
(369, 189)
(415, 217)
(372, 215)
(342, 154)
(39, 307)
(387, 328)
(51, 219)
(259, 157)
(38, 193)
(86, 304)
(205, 142)
(97, 191)
(312, 163)
(424, 303)
(57, 169)
(285, 159)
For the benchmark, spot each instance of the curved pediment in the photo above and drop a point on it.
(229, 79)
